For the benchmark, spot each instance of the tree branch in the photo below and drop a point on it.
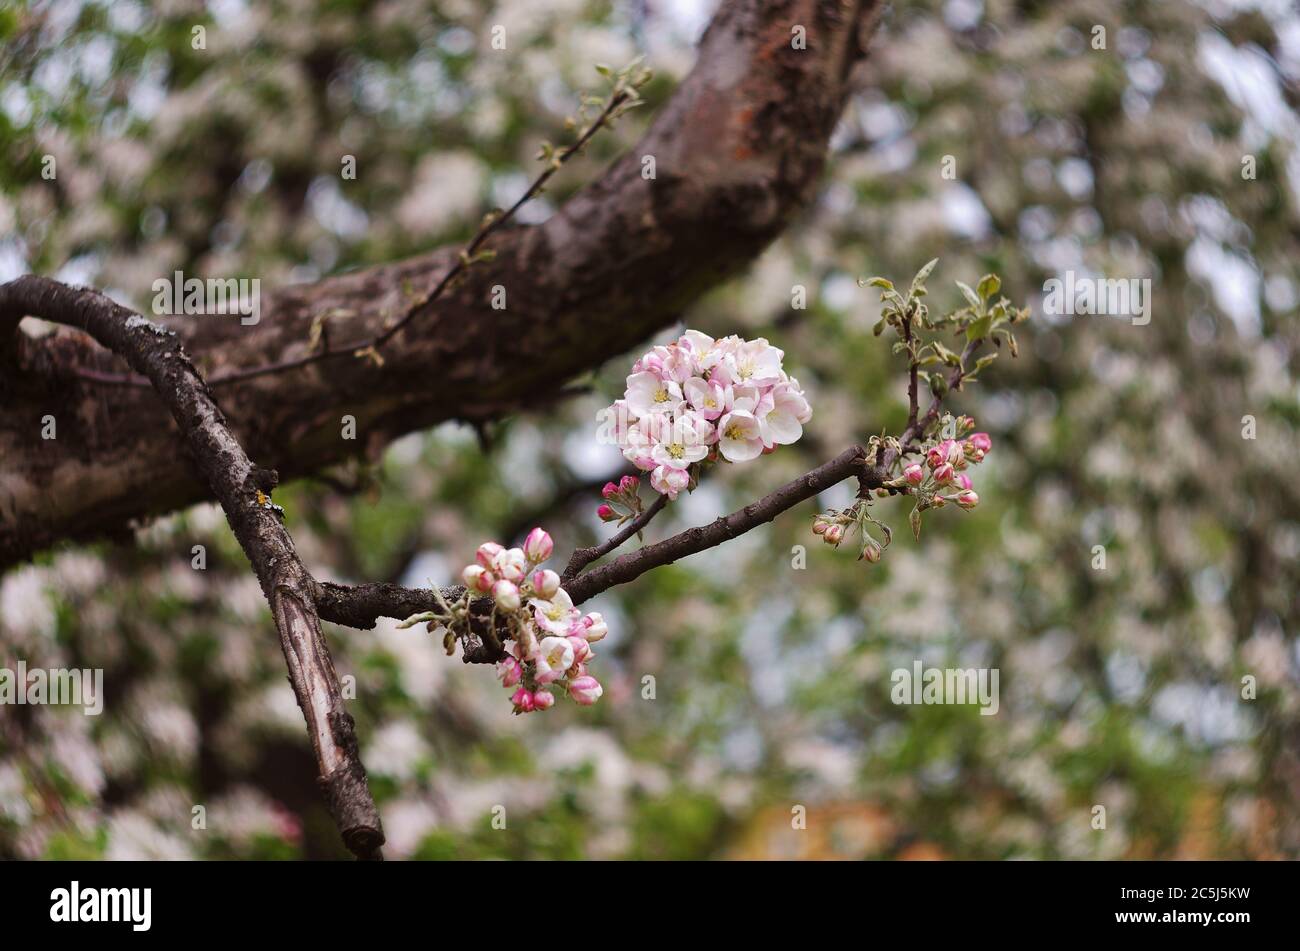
(360, 606)
(851, 462)
(243, 490)
(582, 557)
(738, 150)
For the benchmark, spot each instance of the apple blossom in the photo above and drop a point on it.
(585, 690)
(914, 474)
(648, 393)
(548, 639)
(740, 436)
(979, 442)
(595, 626)
(696, 400)
(606, 513)
(506, 595)
(543, 699)
(669, 481)
(581, 649)
(509, 671)
(555, 658)
(538, 545)
(510, 563)
(546, 582)
(554, 614)
(477, 578)
(709, 399)
(967, 499)
(486, 553)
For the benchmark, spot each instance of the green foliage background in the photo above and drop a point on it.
(1119, 687)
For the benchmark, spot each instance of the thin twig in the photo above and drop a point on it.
(582, 557)
(463, 261)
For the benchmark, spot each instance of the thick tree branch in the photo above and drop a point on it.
(243, 490)
(738, 150)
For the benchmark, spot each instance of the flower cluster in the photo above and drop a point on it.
(551, 638)
(946, 462)
(699, 399)
(622, 500)
(942, 471)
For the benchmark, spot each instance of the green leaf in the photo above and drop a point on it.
(877, 330)
(971, 297)
(878, 282)
(947, 355)
(915, 520)
(922, 274)
(980, 327)
(989, 285)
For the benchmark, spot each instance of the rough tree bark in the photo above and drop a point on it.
(738, 150)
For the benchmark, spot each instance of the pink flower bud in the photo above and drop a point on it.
(629, 484)
(538, 545)
(595, 625)
(820, 524)
(955, 451)
(609, 491)
(963, 480)
(944, 473)
(486, 553)
(506, 595)
(523, 700)
(477, 578)
(834, 535)
(871, 551)
(935, 456)
(585, 690)
(546, 582)
(606, 513)
(979, 442)
(543, 700)
(914, 474)
(967, 499)
(512, 564)
(581, 649)
(509, 671)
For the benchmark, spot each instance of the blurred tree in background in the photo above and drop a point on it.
(738, 687)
